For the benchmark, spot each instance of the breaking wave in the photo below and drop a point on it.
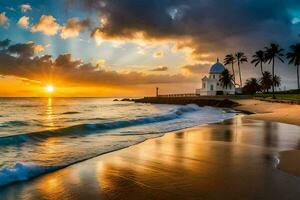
(23, 172)
(83, 129)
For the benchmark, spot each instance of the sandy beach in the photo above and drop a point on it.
(235, 159)
(277, 112)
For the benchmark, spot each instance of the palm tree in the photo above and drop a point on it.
(276, 81)
(240, 58)
(252, 86)
(266, 81)
(226, 78)
(230, 59)
(294, 58)
(271, 53)
(259, 59)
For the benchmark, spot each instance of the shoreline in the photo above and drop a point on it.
(272, 111)
(257, 109)
(175, 166)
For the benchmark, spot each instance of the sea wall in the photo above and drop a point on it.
(200, 101)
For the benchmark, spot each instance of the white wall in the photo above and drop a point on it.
(213, 80)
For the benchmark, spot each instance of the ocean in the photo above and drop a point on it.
(40, 135)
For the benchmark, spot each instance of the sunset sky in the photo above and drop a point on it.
(128, 47)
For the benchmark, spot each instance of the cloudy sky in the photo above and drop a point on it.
(128, 47)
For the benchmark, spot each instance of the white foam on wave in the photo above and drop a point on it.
(22, 172)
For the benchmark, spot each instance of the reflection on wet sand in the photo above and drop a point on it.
(235, 159)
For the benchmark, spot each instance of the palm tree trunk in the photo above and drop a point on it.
(262, 73)
(298, 77)
(273, 89)
(233, 72)
(241, 84)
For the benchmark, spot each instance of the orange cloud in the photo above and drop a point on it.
(37, 48)
(3, 19)
(23, 22)
(73, 27)
(19, 60)
(96, 34)
(47, 25)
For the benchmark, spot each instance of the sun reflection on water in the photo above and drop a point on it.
(49, 114)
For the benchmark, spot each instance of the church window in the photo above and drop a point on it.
(211, 87)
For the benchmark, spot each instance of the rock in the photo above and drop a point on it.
(126, 99)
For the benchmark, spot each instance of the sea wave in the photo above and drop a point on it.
(83, 129)
(23, 172)
(14, 123)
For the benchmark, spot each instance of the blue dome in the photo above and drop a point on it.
(217, 68)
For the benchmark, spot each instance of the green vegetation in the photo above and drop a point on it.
(260, 86)
(294, 58)
(240, 59)
(226, 78)
(282, 95)
(251, 86)
(230, 60)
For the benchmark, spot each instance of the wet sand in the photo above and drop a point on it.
(235, 159)
(277, 112)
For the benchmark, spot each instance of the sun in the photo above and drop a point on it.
(49, 88)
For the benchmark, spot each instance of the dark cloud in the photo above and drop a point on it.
(19, 60)
(4, 43)
(160, 69)
(207, 25)
(22, 50)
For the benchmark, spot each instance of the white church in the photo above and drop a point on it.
(211, 85)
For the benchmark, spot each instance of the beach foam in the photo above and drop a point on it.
(22, 172)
